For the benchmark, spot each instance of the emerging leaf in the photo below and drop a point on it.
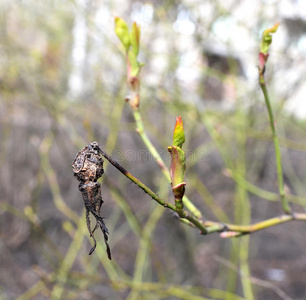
(135, 36)
(178, 134)
(266, 38)
(123, 33)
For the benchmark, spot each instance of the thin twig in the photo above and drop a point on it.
(140, 130)
(183, 214)
(278, 157)
(207, 227)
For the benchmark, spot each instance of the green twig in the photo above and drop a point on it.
(278, 158)
(66, 265)
(247, 229)
(140, 130)
(243, 211)
(125, 208)
(149, 145)
(207, 227)
(182, 213)
(179, 292)
(144, 247)
(39, 286)
(53, 182)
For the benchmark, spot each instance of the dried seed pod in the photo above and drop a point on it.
(88, 168)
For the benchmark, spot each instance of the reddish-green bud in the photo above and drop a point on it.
(179, 134)
(266, 38)
(123, 33)
(177, 168)
(262, 60)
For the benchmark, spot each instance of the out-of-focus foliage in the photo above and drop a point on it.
(62, 85)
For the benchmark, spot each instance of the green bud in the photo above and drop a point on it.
(123, 33)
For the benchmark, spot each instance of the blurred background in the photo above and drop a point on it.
(63, 85)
